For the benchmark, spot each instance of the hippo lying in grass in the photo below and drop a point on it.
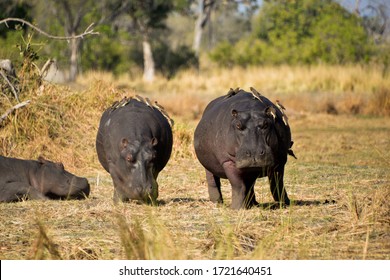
(134, 143)
(243, 136)
(42, 179)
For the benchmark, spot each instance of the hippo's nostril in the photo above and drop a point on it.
(248, 153)
(262, 152)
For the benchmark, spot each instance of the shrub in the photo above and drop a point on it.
(300, 32)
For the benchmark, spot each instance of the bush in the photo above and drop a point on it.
(300, 32)
(169, 61)
(105, 53)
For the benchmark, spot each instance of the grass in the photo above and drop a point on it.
(340, 183)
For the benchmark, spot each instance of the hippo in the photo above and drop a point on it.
(133, 144)
(38, 179)
(243, 136)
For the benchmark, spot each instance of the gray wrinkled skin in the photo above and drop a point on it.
(42, 179)
(241, 138)
(134, 143)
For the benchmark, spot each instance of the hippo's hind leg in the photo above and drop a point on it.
(214, 187)
(278, 191)
(17, 191)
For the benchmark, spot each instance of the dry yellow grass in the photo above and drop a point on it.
(340, 182)
(355, 89)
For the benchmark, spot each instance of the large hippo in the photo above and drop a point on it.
(134, 143)
(38, 179)
(240, 137)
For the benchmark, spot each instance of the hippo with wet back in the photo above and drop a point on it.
(38, 179)
(243, 136)
(134, 143)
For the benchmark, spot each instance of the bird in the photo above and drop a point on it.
(140, 98)
(158, 106)
(282, 109)
(230, 93)
(280, 105)
(164, 113)
(147, 101)
(271, 111)
(257, 95)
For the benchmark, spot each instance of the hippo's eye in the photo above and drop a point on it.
(239, 126)
(130, 158)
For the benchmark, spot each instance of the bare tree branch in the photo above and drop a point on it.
(88, 31)
(45, 68)
(10, 84)
(9, 111)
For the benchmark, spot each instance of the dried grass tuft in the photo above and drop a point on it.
(42, 243)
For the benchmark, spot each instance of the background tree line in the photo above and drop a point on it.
(169, 35)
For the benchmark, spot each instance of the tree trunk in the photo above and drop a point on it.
(198, 28)
(204, 11)
(148, 60)
(74, 45)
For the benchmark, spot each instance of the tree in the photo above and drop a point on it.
(305, 31)
(147, 16)
(11, 32)
(19, 9)
(70, 13)
(203, 9)
(203, 16)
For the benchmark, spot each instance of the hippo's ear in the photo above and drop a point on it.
(60, 165)
(234, 113)
(154, 141)
(271, 111)
(124, 143)
(42, 160)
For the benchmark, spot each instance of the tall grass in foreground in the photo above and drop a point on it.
(147, 239)
(44, 243)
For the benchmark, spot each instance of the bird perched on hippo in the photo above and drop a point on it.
(243, 136)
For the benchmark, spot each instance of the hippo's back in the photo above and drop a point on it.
(134, 119)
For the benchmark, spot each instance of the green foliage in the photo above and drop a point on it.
(223, 54)
(8, 45)
(29, 74)
(339, 37)
(15, 9)
(12, 32)
(295, 32)
(149, 14)
(169, 61)
(103, 52)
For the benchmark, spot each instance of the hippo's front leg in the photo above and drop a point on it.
(243, 195)
(275, 177)
(214, 187)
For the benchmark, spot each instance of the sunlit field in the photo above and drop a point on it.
(340, 183)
